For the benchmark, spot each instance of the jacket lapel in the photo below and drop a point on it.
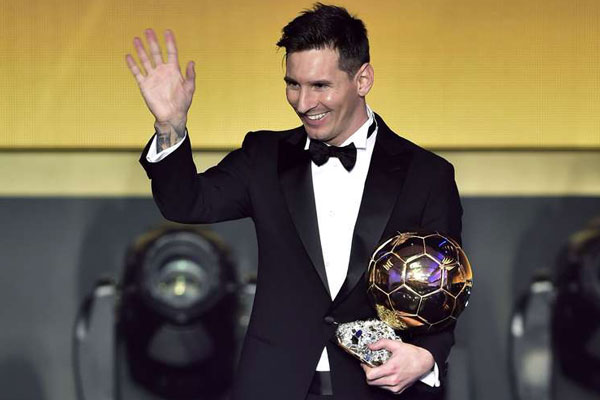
(387, 171)
(296, 183)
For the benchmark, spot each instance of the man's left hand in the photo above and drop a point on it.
(407, 364)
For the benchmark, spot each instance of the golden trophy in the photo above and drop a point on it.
(416, 281)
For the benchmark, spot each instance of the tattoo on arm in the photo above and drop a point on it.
(163, 141)
(168, 136)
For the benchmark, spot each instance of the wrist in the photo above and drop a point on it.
(176, 125)
(169, 133)
(427, 359)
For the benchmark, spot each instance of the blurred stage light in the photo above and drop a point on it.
(530, 356)
(555, 327)
(177, 315)
(170, 327)
(94, 344)
(576, 317)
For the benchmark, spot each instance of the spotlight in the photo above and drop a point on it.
(177, 313)
(530, 357)
(94, 344)
(576, 318)
(555, 327)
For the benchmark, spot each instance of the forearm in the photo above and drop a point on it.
(174, 180)
(170, 133)
(438, 344)
(182, 195)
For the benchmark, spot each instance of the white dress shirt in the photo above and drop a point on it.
(338, 195)
(337, 198)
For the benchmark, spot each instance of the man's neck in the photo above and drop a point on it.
(360, 120)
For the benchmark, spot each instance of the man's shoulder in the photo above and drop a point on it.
(270, 137)
(263, 142)
(428, 156)
(421, 155)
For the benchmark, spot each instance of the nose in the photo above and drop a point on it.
(306, 100)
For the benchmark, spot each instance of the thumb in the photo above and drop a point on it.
(190, 77)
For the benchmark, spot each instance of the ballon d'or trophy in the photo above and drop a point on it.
(419, 282)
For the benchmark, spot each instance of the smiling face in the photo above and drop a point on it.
(330, 103)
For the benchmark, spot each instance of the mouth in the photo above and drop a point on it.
(317, 117)
(314, 119)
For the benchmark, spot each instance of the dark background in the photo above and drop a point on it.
(54, 249)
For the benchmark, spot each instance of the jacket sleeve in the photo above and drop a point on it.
(220, 193)
(442, 213)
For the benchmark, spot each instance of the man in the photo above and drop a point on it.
(322, 196)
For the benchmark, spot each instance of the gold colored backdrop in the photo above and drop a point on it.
(449, 74)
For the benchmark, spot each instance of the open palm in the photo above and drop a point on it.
(166, 92)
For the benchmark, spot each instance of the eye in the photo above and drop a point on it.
(321, 85)
(291, 85)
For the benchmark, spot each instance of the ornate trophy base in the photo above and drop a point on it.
(355, 336)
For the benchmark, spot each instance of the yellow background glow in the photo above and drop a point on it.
(448, 74)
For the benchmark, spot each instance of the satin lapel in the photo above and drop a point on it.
(296, 183)
(385, 179)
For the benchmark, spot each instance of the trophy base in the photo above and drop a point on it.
(354, 337)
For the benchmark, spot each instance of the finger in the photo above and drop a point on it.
(381, 344)
(373, 374)
(190, 78)
(383, 381)
(154, 46)
(141, 52)
(137, 74)
(171, 47)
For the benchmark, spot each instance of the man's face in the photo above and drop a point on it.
(327, 99)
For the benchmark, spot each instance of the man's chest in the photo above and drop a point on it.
(338, 195)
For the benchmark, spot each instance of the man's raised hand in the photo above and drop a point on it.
(166, 92)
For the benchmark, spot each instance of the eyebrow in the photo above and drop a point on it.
(291, 81)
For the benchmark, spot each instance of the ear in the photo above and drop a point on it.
(364, 79)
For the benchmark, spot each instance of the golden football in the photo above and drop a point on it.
(419, 281)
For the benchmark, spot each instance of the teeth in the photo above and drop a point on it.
(316, 117)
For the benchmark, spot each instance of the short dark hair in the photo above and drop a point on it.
(326, 26)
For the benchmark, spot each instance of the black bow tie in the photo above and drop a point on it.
(320, 152)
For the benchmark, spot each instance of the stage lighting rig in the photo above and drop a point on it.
(177, 313)
(555, 327)
(576, 317)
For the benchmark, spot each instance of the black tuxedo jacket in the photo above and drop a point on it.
(269, 180)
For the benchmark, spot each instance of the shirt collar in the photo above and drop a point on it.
(359, 138)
